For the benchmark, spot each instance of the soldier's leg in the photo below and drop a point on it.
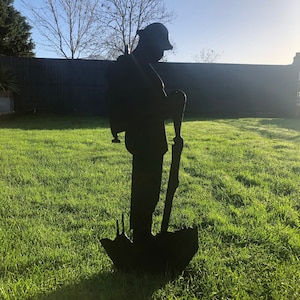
(146, 183)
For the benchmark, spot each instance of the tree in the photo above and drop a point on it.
(122, 19)
(94, 28)
(15, 35)
(69, 27)
(207, 56)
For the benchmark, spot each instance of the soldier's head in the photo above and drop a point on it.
(155, 38)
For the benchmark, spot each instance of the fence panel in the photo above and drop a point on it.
(66, 86)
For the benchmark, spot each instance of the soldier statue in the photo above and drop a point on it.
(139, 105)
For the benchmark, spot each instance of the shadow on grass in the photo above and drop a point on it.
(292, 124)
(110, 286)
(51, 121)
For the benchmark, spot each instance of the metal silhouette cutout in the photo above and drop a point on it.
(139, 105)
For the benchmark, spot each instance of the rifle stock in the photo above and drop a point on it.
(180, 101)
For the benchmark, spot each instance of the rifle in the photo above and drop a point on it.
(179, 99)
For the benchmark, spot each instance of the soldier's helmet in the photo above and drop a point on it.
(157, 35)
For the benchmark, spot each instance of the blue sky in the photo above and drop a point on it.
(242, 31)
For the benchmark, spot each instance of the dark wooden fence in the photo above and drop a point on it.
(58, 85)
(234, 90)
(66, 86)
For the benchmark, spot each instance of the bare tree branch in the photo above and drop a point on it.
(68, 26)
(207, 56)
(122, 19)
(94, 28)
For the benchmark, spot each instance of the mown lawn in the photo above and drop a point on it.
(63, 184)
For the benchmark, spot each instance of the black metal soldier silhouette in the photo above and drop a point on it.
(139, 106)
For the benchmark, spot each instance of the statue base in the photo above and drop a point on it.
(167, 252)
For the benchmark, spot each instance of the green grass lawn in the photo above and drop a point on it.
(63, 184)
